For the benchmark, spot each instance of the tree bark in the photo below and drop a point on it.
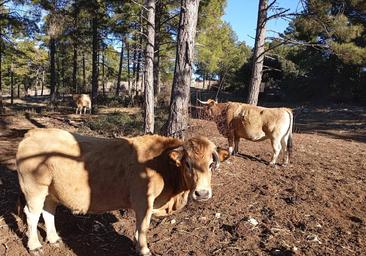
(75, 67)
(178, 115)
(139, 56)
(120, 70)
(258, 56)
(103, 72)
(84, 74)
(42, 84)
(12, 84)
(128, 67)
(159, 10)
(95, 62)
(149, 68)
(1, 78)
(52, 70)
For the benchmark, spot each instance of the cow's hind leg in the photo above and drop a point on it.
(48, 214)
(35, 201)
(284, 150)
(276, 145)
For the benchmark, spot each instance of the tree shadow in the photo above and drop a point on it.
(33, 121)
(339, 122)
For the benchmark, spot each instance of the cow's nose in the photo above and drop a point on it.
(202, 194)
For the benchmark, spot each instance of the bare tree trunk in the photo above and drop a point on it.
(42, 84)
(52, 70)
(18, 92)
(11, 84)
(128, 67)
(103, 72)
(95, 63)
(84, 73)
(149, 68)
(1, 78)
(178, 115)
(75, 67)
(258, 57)
(159, 10)
(139, 55)
(120, 70)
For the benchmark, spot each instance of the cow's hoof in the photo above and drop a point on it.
(36, 252)
(273, 165)
(57, 244)
(144, 252)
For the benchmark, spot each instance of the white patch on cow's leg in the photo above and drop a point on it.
(276, 145)
(32, 221)
(231, 144)
(48, 214)
(231, 150)
(84, 110)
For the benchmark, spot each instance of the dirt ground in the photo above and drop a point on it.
(315, 206)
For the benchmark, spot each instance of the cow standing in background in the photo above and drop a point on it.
(150, 174)
(236, 120)
(83, 102)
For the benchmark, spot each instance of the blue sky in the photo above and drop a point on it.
(242, 15)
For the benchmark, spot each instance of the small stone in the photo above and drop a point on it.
(173, 221)
(253, 221)
(218, 215)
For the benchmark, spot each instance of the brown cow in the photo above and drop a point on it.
(238, 120)
(82, 102)
(150, 174)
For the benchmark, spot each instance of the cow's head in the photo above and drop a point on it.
(211, 108)
(197, 158)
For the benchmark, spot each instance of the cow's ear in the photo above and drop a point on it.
(223, 154)
(176, 155)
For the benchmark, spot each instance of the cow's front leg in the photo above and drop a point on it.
(143, 217)
(236, 141)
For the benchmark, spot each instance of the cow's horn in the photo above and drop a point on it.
(202, 102)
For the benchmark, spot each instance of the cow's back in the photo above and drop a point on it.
(83, 173)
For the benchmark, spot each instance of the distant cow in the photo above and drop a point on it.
(238, 120)
(82, 102)
(150, 174)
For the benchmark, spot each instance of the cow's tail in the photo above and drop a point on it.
(19, 207)
(289, 132)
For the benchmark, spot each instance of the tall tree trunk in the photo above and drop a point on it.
(128, 68)
(12, 84)
(52, 70)
(84, 74)
(103, 71)
(41, 82)
(120, 70)
(1, 78)
(134, 63)
(178, 115)
(258, 56)
(95, 63)
(149, 68)
(139, 58)
(18, 91)
(75, 67)
(159, 10)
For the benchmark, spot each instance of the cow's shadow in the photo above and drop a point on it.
(252, 158)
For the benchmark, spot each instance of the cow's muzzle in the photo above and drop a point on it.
(201, 195)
